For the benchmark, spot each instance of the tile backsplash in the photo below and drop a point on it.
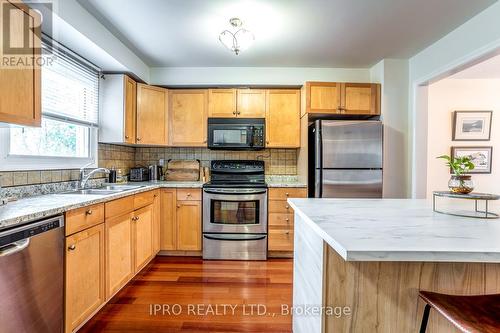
(108, 156)
(277, 161)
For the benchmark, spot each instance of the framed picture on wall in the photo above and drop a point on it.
(480, 156)
(472, 125)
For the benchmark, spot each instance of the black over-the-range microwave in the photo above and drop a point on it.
(236, 133)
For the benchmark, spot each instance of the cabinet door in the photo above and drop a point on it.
(189, 225)
(168, 229)
(20, 82)
(283, 119)
(143, 236)
(119, 253)
(156, 221)
(188, 117)
(323, 97)
(84, 275)
(130, 104)
(251, 103)
(360, 98)
(152, 103)
(222, 103)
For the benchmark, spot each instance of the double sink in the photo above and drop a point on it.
(105, 190)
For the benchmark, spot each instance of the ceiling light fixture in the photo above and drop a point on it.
(239, 40)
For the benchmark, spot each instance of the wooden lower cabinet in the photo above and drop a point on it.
(280, 241)
(181, 220)
(156, 221)
(143, 236)
(119, 253)
(188, 225)
(85, 288)
(168, 225)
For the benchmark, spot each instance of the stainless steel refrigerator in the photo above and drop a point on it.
(345, 159)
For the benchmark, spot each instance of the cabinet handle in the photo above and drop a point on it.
(138, 139)
(135, 218)
(287, 219)
(267, 142)
(178, 206)
(287, 207)
(155, 195)
(88, 212)
(127, 137)
(188, 195)
(238, 112)
(234, 112)
(72, 247)
(287, 194)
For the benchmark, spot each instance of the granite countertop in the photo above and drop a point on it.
(38, 207)
(398, 230)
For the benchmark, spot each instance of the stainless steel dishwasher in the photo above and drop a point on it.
(32, 277)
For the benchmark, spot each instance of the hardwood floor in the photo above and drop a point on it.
(186, 294)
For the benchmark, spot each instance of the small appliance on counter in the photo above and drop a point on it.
(155, 172)
(139, 174)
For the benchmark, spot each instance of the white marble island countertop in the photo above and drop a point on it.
(398, 230)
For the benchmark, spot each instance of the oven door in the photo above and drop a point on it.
(235, 211)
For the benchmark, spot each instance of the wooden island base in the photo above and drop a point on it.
(383, 296)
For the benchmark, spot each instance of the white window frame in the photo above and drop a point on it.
(10, 162)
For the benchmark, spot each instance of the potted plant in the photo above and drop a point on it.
(460, 182)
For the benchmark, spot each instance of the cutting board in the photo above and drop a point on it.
(183, 170)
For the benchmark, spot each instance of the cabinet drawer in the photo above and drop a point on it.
(188, 194)
(83, 218)
(280, 206)
(119, 207)
(287, 192)
(280, 239)
(281, 220)
(144, 199)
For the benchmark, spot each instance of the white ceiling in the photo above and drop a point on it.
(488, 69)
(289, 33)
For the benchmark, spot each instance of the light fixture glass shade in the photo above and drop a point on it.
(227, 39)
(239, 40)
(244, 39)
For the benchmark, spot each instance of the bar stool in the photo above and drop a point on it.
(467, 313)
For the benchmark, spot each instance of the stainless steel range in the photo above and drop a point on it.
(235, 211)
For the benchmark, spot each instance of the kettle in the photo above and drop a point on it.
(155, 172)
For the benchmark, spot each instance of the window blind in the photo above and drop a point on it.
(70, 87)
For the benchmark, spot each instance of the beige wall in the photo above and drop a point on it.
(451, 95)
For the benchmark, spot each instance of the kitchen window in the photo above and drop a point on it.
(67, 138)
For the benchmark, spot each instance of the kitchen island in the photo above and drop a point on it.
(359, 263)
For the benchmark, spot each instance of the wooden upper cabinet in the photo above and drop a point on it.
(143, 221)
(152, 105)
(119, 253)
(283, 118)
(130, 91)
(117, 109)
(189, 225)
(322, 97)
(20, 82)
(85, 280)
(360, 98)
(251, 103)
(188, 117)
(222, 103)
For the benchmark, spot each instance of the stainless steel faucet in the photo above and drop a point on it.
(84, 177)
